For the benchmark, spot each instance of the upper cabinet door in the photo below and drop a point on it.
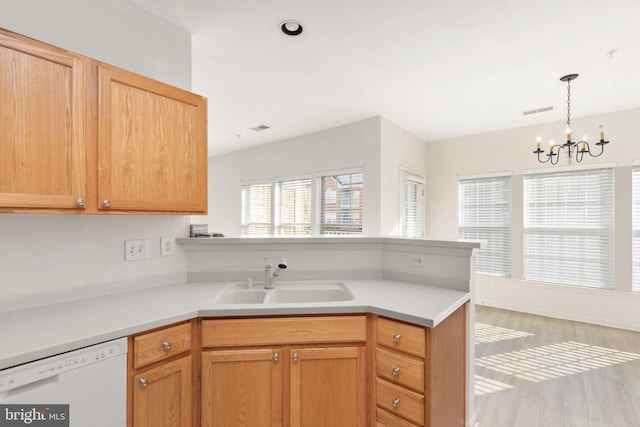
(42, 149)
(152, 145)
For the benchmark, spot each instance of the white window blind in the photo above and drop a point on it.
(569, 227)
(413, 209)
(293, 207)
(636, 228)
(256, 209)
(484, 213)
(341, 203)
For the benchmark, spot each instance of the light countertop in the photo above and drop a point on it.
(35, 333)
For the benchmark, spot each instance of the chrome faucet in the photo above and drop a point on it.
(270, 275)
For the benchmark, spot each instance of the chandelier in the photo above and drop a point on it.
(579, 148)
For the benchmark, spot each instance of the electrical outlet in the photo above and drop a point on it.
(416, 260)
(167, 246)
(136, 250)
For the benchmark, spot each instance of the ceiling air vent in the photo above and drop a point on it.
(537, 110)
(260, 128)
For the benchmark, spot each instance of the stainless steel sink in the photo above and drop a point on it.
(285, 293)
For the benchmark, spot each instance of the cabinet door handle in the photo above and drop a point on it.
(276, 357)
(295, 357)
(80, 203)
(166, 345)
(396, 372)
(143, 382)
(396, 338)
(106, 203)
(395, 403)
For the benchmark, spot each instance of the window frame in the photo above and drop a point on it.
(492, 259)
(320, 225)
(569, 250)
(405, 177)
(315, 201)
(244, 224)
(635, 226)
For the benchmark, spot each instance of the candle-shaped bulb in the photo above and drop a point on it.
(601, 128)
(538, 141)
(568, 131)
(551, 144)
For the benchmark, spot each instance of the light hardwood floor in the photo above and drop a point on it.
(534, 371)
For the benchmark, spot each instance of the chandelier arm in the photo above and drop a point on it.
(560, 147)
(600, 153)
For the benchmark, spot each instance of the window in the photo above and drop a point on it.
(636, 228)
(293, 207)
(256, 209)
(412, 206)
(484, 213)
(569, 227)
(341, 204)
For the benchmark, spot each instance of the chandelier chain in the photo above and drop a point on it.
(569, 104)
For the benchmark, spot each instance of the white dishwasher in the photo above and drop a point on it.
(92, 381)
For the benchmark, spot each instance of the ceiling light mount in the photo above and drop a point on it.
(291, 27)
(581, 147)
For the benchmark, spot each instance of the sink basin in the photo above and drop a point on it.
(285, 293)
(313, 292)
(247, 296)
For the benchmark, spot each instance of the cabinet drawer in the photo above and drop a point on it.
(401, 336)
(400, 369)
(385, 419)
(287, 330)
(158, 345)
(400, 401)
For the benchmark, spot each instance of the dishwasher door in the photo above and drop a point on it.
(91, 380)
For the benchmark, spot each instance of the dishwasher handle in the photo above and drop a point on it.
(29, 388)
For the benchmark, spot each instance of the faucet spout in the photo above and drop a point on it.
(270, 275)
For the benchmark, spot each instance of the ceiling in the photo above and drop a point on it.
(439, 69)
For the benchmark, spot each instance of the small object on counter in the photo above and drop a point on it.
(209, 235)
(199, 230)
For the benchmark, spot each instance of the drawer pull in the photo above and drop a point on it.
(295, 357)
(166, 345)
(396, 372)
(276, 357)
(395, 403)
(396, 338)
(143, 382)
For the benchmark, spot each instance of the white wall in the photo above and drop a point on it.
(511, 150)
(52, 256)
(349, 146)
(400, 152)
(113, 31)
(380, 146)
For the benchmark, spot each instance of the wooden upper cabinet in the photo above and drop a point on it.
(152, 151)
(42, 146)
(79, 136)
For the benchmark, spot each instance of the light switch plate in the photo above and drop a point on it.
(136, 250)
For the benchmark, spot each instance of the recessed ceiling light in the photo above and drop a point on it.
(291, 27)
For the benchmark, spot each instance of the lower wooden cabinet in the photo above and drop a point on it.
(162, 395)
(302, 376)
(242, 387)
(299, 371)
(327, 387)
(160, 380)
